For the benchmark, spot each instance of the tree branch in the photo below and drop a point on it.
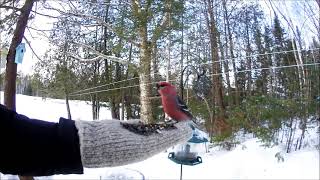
(10, 7)
(46, 15)
(33, 52)
(8, 17)
(99, 54)
(160, 28)
(85, 60)
(4, 2)
(98, 21)
(40, 30)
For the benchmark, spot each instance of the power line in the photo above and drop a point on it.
(228, 59)
(246, 70)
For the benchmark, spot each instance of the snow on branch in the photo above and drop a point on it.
(99, 55)
(84, 59)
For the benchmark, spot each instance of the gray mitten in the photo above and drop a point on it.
(107, 143)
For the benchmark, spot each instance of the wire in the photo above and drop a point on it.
(272, 67)
(93, 92)
(103, 85)
(278, 52)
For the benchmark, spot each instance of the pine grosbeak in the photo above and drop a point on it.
(175, 108)
(172, 104)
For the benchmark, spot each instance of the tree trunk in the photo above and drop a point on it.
(95, 106)
(122, 107)
(68, 107)
(95, 100)
(127, 99)
(225, 57)
(155, 66)
(221, 126)
(141, 21)
(104, 48)
(225, 67)
(182, 55)
(290, 139)
(231, 49)
(168, 46)
(145, 79)
(248, 58)
(114, 108)
(128, 107)
(11, 66)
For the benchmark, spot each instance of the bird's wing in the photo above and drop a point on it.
(183, 107)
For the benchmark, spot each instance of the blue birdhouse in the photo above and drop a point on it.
(20, 50)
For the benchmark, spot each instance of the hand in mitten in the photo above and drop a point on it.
(108, 143)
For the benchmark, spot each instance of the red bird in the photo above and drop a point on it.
(172, 104)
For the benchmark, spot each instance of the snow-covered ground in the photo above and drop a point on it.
(249, 160)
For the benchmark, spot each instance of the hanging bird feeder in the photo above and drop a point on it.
(187, 154)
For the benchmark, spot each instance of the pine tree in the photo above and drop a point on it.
(260, 62)
(267, 76)
(279, 40)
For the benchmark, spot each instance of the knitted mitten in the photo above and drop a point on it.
(108, 143)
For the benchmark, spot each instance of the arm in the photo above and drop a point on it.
(40, 148)
(107, 144)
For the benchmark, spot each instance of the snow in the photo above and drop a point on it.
(248, 160)
(52, 109)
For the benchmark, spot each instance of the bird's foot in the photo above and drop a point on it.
(170, 121)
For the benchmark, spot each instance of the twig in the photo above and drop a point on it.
(98, 21)
(33, 52)
(46, 15)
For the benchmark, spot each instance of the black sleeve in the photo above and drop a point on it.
(38, 148)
